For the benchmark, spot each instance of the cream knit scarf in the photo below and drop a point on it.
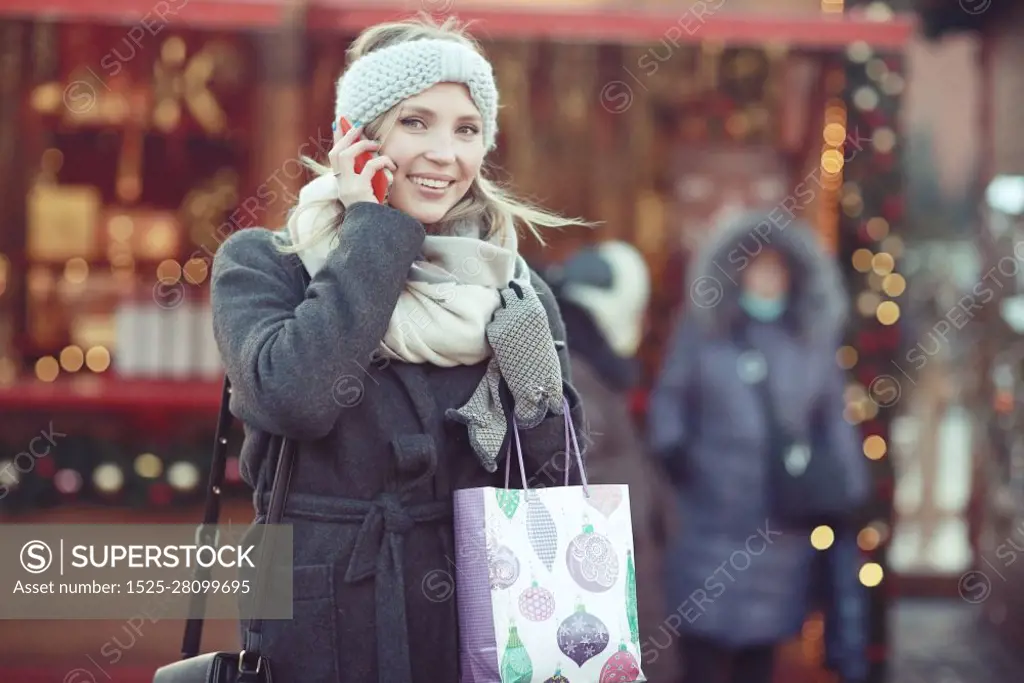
(450, 295)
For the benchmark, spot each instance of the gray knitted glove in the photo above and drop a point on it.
(520, 336)
(525, 357)
(484, 417)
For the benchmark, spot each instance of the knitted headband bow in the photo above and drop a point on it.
(376, 82)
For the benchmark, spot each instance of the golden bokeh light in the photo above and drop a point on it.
(846, 357)
(47, 369)
(822, 538)
(861, 260)
(97, 359)
(888, 312)
(884, 140)
(832, 161)
(834, 134)
(894, 284)
(877, 228)
(883, 263)
(148, 466)
(72, 358)
(875, 447)
(168, 272)
(871, 574)
(868, 539)
(196, 271)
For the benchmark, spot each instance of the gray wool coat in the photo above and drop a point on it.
(733, 574)
(370, 498)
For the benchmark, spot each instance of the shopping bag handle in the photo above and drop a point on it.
(570, 433)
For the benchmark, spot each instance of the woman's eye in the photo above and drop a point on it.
(469, 129)
(413, 123)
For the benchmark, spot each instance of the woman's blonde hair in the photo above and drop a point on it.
(485, 201)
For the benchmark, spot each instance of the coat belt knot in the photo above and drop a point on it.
(378, 552)
(396, 519)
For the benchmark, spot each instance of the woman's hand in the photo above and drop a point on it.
(355, 187)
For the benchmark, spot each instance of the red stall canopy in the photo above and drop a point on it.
(616, 22)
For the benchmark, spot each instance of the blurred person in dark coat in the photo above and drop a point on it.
(768, 307)
(603, 293)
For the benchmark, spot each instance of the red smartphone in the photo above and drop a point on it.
(379, 183)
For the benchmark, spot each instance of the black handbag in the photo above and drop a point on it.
(808, 485)
(247, 665)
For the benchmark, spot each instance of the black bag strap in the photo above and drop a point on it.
(192, 640)
(206, 533)
(193, 637)
(250, 659)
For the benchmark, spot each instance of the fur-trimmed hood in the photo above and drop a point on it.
(818, 308)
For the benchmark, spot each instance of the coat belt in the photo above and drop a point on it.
(378, 552)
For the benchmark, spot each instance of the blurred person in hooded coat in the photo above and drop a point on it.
(603, 293)
(768, 312)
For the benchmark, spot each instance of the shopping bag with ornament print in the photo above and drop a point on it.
(545, 581)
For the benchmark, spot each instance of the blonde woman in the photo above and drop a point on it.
(393, 342)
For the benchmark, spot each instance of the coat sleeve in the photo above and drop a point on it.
(668, 416)
(841, 438)
(544, 445)
(288, 352)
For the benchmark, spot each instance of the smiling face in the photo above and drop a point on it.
(438, 146)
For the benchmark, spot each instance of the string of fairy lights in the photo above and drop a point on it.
(90, 472)
(862, 173)
(855, 138)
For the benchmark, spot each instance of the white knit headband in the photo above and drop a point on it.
(381, 79)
